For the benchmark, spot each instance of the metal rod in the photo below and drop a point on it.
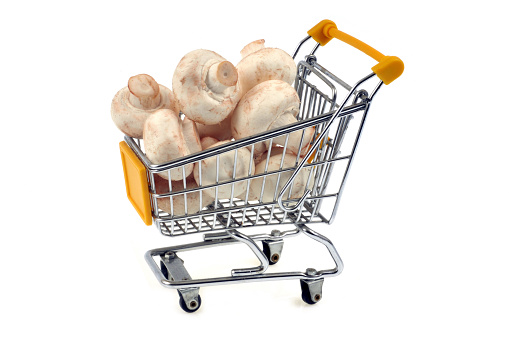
(313, 148)
(243, 277)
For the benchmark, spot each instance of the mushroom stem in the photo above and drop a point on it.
(252, 47)
(220, 76)
(144, 92)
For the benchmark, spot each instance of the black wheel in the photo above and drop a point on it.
(272, 257)
(306, 294)
(164, 270)
(195, 304)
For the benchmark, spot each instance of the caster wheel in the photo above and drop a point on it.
(306, 295)
(273, 257)
(164, 270)
(194, 304)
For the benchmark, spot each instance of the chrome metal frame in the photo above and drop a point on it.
(243, 275)
(319, 110)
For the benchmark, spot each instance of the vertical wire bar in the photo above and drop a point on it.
(339, 134)
(276, 192)
(316, 111)
(216, 192)
(313, 114)
(318, 172)
(328, 167)
(315, 94)
(303, 97)
(172, 222)
(319, 157)
(315, 135)
(248, 184)
(233, 186)
(303, 103)
(315, 205)
(310, 101)
(201, 195)
(296, 163)
(153, 188)
(307, 186)
(300, 84)
(263, 181)
(185, 197)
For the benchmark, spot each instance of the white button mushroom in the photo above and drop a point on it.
(260, 64)
(192, 199)
(252, 47)
(167, 138)
(133, 104)
(204, 84)
(226, 165)
(191, 136)
(220, 131)
(298, 187)
(269, 105)
(207, 141)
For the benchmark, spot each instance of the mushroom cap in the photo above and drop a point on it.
(252, 47)
(191, 135)
(226, 171)
(221, 131)
(261, 107)
(179, 201)
(265, 64)
(269, 187)
(129, 118)
(196, 100)
(208, 141)
(263, 156)
(167, 138)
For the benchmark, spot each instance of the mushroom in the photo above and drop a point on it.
(204, 84)
(132, 105)
(207, 141)
(260, 64)
(269, 105)
(191, 135)
(167, 138)
(276, 163)
(273, 151)
(220, 131)
(252, 47)
(176, 205)
(233, 164)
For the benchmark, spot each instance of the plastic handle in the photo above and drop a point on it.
(388, 69)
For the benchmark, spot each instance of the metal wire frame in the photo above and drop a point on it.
(317, 110)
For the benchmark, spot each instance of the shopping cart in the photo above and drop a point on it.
(337, 129)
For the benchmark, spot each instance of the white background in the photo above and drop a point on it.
(422, 226)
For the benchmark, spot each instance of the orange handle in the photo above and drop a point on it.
(388, 69)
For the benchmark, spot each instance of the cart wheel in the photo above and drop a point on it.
(195, 304)
(307, 296)
(164, 270)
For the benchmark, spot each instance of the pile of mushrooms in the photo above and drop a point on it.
(213, 102)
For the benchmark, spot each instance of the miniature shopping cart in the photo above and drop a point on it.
(337, 128)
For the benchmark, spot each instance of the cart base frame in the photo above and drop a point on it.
(171, 272)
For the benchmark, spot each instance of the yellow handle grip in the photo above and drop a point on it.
(388, 69)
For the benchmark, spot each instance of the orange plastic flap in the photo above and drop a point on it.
(136, 184)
